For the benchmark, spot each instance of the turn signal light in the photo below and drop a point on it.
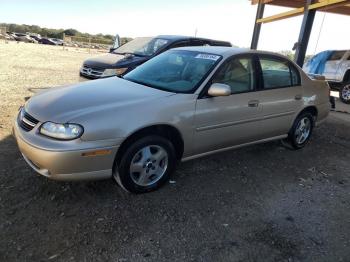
(97, 153)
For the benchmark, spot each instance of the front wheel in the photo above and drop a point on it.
(146, 165)
(301, 131)
(344, 93)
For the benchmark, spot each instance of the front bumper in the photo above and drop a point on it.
(66, 164)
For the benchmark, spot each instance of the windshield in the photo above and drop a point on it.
(175, 70)
(143, 46)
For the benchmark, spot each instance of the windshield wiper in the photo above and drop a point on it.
(129, 53)
(140, 55)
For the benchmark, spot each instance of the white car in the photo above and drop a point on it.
(337, 72)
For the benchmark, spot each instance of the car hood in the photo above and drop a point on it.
(62, 104)
(112, 60)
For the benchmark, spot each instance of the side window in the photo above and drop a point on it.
(238, 73)
(276, 73)
(337, 55)
(159, 43)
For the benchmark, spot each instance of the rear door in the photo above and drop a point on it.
(280, 94)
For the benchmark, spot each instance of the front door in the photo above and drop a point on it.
(226, 121)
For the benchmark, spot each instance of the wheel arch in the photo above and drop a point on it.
(311, 109)
(165, 130)
(346, 78)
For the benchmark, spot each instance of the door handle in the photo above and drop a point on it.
(253, 103)
(298, 97)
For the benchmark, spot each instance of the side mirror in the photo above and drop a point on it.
(117, 42)
(218, 89)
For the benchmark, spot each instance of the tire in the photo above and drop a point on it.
(344, 93)
(146, 165)
(301, 131)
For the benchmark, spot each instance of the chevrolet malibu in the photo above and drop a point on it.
(183, 104)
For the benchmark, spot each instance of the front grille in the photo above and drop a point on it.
(26, 121)
(91, 71)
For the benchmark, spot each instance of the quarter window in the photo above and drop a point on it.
(238, 73)
(278, 73)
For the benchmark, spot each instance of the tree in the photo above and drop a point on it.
(287, 53)
(58, 33)
(71, 32)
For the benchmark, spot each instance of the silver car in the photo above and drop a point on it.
(183, 104)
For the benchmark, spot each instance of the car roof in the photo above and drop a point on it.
(226, 51)
(182, 37)
(177, 37)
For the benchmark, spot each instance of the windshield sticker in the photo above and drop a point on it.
(207, 56)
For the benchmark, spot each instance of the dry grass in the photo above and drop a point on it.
(24, 68)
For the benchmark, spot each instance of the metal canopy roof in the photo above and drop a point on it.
(332, 6)
(307, 8)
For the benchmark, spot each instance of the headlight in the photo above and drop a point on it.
(61, 131)
(121, 71)
(114, 72)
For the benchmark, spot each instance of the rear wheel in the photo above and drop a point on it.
(344, 93)
(301, 131)
(146, 165)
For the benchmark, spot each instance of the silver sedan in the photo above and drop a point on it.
(183, 104)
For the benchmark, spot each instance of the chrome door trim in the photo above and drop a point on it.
(227, 124)
(279, 115)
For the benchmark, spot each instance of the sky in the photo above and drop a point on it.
(230, 20)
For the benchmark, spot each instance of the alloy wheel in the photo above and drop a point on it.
(303, 130)
(345, 94)
(149, 165)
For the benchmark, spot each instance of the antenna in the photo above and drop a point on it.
(195, 32)
(319, 33)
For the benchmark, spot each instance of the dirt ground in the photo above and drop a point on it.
(259, 203)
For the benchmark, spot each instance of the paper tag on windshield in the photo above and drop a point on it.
(207, 56)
